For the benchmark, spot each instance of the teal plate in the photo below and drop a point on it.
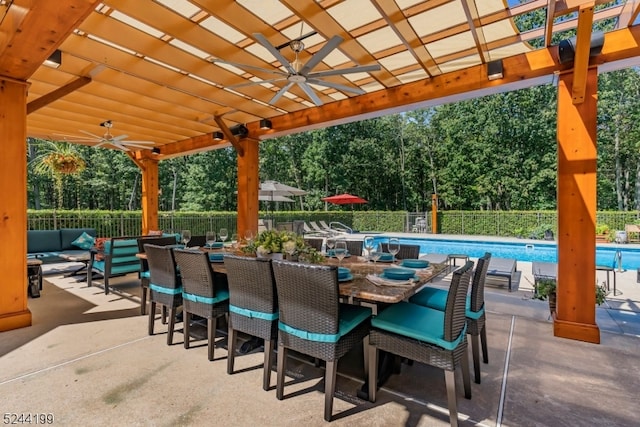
(345, 278)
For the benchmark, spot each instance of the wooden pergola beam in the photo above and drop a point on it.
(582, 52)
(47, 99)
(229, 135)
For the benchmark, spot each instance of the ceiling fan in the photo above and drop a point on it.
(118, 142)
(301, 74)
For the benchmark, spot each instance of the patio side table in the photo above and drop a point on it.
(34, 277)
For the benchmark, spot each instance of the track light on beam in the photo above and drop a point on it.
(155, 150)
(265, 124)
(494, 70)
(54, 60)
(239, 130)
(217, 136)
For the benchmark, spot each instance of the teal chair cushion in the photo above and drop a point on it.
(221, 295)
(118, 269)
(145, 274)
(417, 322)
(437, 299)
(350, 317)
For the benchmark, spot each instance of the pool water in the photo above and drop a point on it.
(542, 251)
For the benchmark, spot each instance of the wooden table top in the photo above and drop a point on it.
(359, 287)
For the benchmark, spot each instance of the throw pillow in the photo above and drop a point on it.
(99, 247)
(83, 241)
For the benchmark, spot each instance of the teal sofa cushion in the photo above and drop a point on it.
(43, 241)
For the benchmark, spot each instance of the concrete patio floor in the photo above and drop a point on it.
(88, 360)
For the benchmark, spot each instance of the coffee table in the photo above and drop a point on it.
(82, 257)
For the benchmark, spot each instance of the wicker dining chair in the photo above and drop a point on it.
(143, 274)
(406, 251)
(426, 335)
(202, 294)
(315, 243)
(354, 247)
(165, 285)
(313, 322)
(253, 306)
(476, 318)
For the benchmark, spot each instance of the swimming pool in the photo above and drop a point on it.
(525, 251)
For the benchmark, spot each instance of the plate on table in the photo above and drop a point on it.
(385, 257)
(343, 272)
(395, 279)
(216, 257)
(345, 278)
(399, 273)
(332, 253)
(415, 263)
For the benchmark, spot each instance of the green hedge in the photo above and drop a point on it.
(485, 223)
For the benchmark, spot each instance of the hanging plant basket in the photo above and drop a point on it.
(65, 164)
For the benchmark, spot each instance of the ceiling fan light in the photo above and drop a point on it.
(54, 60)
(265, 124)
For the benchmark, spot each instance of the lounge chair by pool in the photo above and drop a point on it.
(502, 268)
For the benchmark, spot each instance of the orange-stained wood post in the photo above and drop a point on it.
(150, 186)
(14, 312)
(577, 155)
(248, 187)
(434, 213)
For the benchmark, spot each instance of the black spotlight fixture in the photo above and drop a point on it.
(155, 150)
(567, 47)
(265, 124)
(55, 59)
(217, 136)
(239, 130)
(494, 70)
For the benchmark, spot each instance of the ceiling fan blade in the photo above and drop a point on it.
(243, 66)
(275, 52)
(338, 86)
(357, 69)
(281, 92)
(310, 93)
(67, 136)
(258, 83)
(92, 135)
(302, 37)
(118, 138)
(321, 54)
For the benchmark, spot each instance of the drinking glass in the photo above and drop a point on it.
(248, 235)
(224, 233)
(234, 242)
(331, 242)
(368, 246)
(375, 256)
(210, 238)
(340, 251)
(185, 237)
(394, 247)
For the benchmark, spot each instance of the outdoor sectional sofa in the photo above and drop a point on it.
(48, 245)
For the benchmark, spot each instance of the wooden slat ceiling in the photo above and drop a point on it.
(150, 61)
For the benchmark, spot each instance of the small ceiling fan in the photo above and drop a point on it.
(301, 74)
(118, 142)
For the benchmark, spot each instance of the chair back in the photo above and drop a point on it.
(477, 285)
(196, 273)
(308, 296)
(405, 252)
(158, 241)
(354, 247)
(197, 241)
(251, 283)
(162, 266)
(455, 310)
(314, 243)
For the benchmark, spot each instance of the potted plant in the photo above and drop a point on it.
(602, 233)
(276, 244)
(545, 289)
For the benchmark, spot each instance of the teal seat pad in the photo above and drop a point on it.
(350, 316)
(117, 268)
(252, 314)
(437, 299)
(417, 322)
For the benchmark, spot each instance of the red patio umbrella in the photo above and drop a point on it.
(344, 199)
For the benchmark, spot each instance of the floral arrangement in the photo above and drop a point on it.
(272, 241)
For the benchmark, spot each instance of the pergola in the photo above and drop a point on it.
(152, 67)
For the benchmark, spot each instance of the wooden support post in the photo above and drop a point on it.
(577, 156)
(14, 312)
(150, 189)
(248, 186)
(434, 213)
